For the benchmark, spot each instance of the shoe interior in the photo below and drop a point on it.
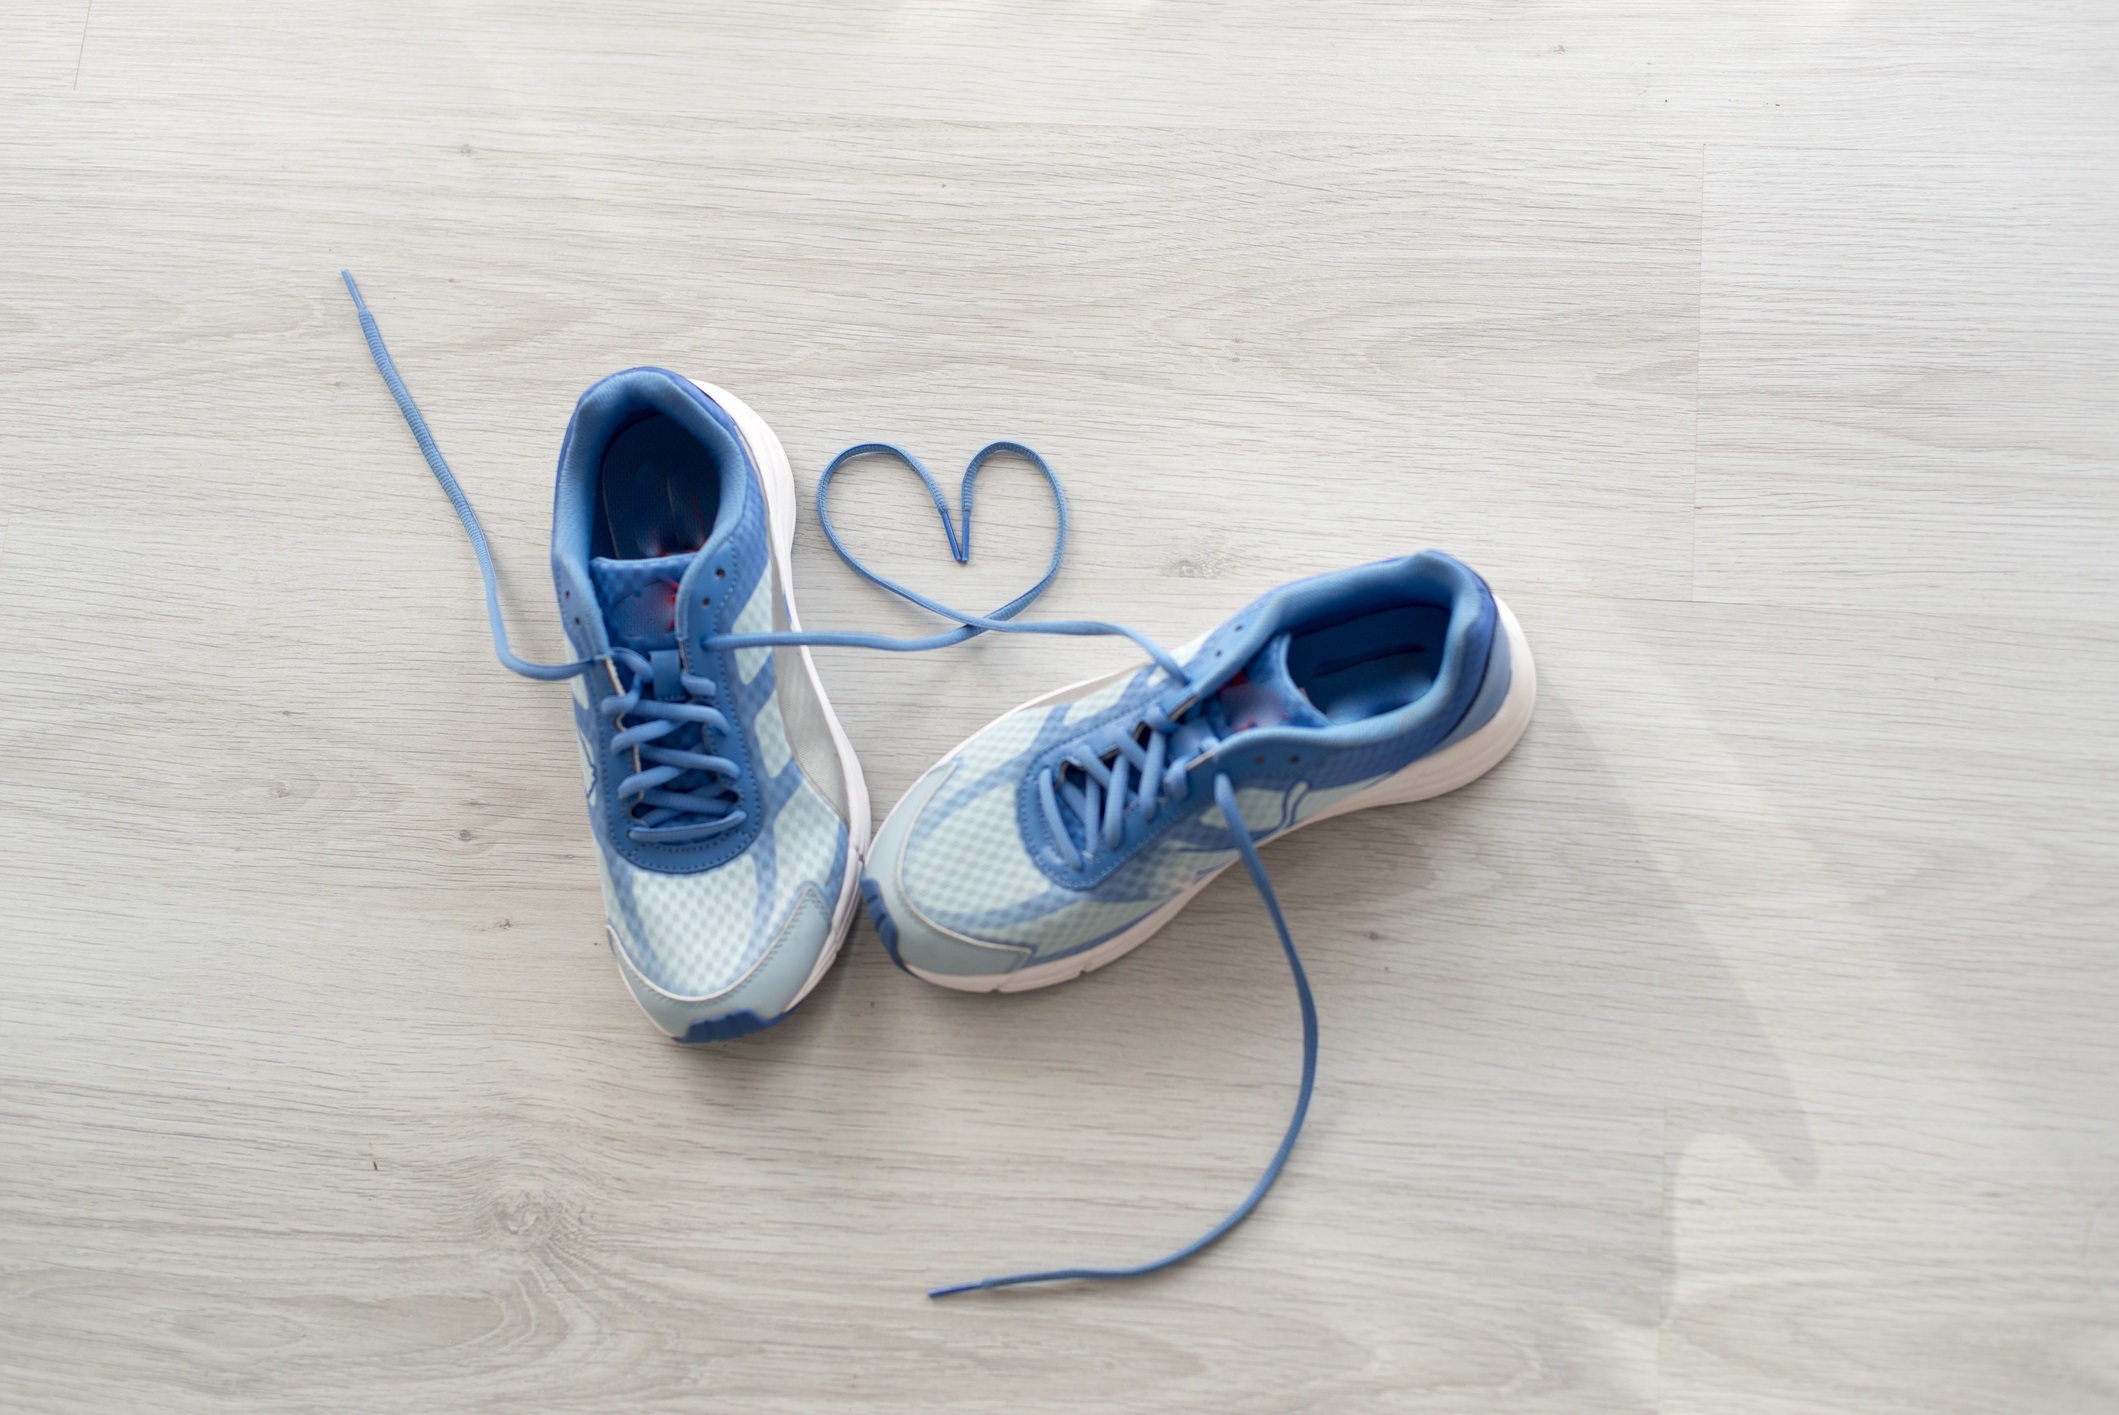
(1372, 664)
(659, 490)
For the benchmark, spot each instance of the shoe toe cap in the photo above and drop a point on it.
(729, 950)
(709, 1008)
(922, 949)
(915, 942)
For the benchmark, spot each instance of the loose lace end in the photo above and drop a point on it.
(1225, 798)
(387, 367)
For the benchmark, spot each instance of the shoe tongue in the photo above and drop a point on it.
(1262, 694)
(639, 600)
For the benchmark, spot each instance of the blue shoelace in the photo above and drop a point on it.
(1097, 796)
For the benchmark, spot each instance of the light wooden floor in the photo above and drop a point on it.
(1746, 1043)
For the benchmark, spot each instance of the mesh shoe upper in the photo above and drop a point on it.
(976, 860)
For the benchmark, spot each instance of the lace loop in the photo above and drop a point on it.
(959, 546)
(969, 625)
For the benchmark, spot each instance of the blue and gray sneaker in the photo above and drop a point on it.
(1066, 833)
(729, 811)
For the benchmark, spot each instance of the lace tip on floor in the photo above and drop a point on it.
(952, 1289)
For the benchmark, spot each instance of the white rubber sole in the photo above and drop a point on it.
(1459, 764)
(776, 480)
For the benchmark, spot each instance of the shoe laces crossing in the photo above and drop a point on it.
(1090, 795)
(680, 794)
(684, 793)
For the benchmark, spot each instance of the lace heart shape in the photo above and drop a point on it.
(959, 542)
(969, 625)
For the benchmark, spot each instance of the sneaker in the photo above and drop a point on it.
(728, 808)
(1066, 833)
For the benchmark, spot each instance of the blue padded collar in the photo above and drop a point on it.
(608, 407)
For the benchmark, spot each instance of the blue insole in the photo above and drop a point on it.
(1372, 664)
(660, 491)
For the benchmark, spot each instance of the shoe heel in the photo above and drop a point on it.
(1463, 762)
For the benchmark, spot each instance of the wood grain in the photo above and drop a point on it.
(1742, 1044)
